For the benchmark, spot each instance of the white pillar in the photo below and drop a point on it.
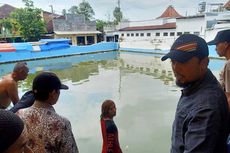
(86, 40)
(95, 38)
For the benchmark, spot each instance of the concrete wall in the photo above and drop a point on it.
(148, 42)
(74, 23)
(73, 50)
(191, 25)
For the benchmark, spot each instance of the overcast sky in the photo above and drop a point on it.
(133, 10)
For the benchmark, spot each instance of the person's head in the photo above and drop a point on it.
(189, 57)
(108, 109)
(20, 71)
(46, 87)
(222, 42)
(13, 134)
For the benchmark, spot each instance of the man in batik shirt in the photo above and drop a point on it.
(48, 131)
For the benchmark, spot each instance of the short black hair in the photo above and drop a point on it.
(11, 127)
(43, 95)
(44, 83)
(19, 66)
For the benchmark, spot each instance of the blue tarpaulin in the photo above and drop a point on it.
(22, 46)
(50, 44)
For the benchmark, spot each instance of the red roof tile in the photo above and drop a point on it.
(153, 27)
(227, 5)
(170, 12)
(5, 10)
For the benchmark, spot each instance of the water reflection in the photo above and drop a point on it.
(148, 65)
(141, 85)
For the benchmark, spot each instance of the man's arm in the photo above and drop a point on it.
(26, 100)
(203, 131)
(12, 91)
(68, 143)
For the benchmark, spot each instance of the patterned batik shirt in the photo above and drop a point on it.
(48, 131)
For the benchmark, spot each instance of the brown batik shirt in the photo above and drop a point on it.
(48, 131)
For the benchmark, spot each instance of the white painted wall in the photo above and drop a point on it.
(148, 42)
(160, 21)
(191, 25)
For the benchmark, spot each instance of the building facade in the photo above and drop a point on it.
(76, 28)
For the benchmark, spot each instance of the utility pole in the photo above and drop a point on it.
(52, 17)
(52, 10)
(119, 4)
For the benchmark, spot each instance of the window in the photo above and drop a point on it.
(137, 34)
(128, 34)
(179, 33)
(197, 33)
(165, 34)
(186, 32)
(122, 34)
(142, 34)
(172, 33)
(157, 34)
(148, 34)
(132, 34)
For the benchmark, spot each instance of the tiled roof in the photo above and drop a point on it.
(48, 18)
(5, 10)
(170, 12)
(190, 17)
(227, 5)
(75, 32)
(153, 27)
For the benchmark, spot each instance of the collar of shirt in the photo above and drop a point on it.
(192, 88)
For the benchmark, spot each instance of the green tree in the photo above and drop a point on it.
(117, 15)
(64, 12)
(28, 21)
(100, 25)
(6, 27)
(85, 9)
(73, 10)
(6, 23)
(28, 3)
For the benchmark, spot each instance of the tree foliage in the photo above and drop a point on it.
(84, 8)
(73, 10)
(6, 23)
(117, 15)
(64, 12)
(100, 24)
(28, 21)
(28, 3)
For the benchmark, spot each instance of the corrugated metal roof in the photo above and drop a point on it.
(153, 27)
(75, 32)
(189, 17)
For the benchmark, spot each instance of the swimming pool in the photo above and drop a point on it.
(141, 85)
